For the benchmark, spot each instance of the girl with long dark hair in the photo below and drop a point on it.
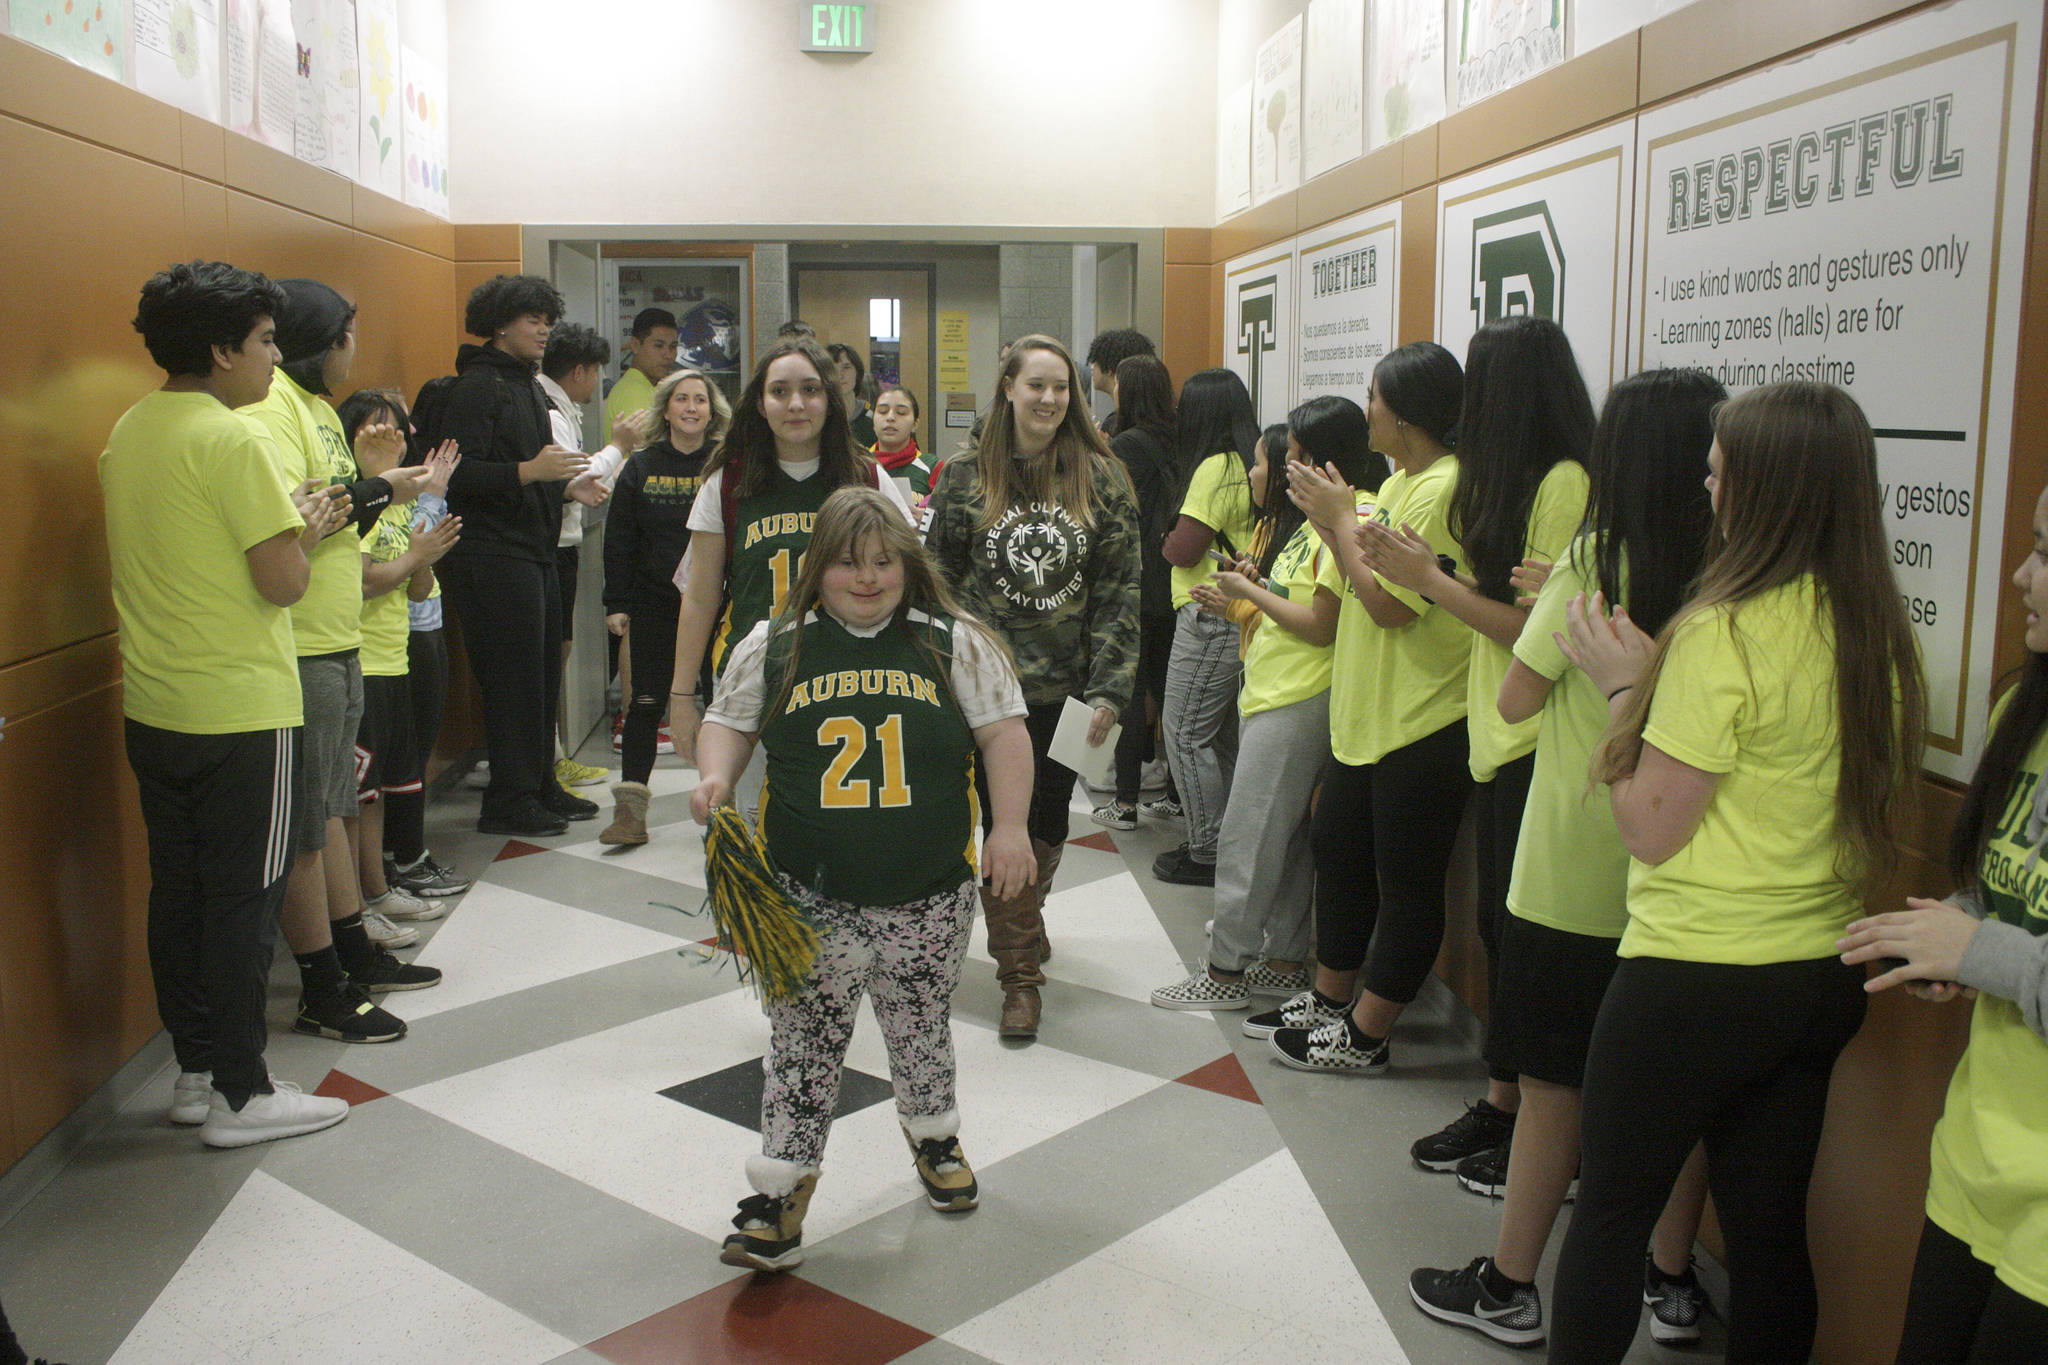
(1757, 758)
(1216, 431)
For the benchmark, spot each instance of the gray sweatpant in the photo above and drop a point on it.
(1265, 872)
(1200, 708)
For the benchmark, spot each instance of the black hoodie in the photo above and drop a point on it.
(498, 414)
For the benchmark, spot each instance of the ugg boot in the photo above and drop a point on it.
(948, 1180)
(1049, 856)
(1015, 936)
(629, 814)
(771, 1220)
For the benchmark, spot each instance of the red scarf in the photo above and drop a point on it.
(893, 460)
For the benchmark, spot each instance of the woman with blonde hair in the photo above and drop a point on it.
(879, 704)
(1037, 531)
(1757, 757)
(645, 538)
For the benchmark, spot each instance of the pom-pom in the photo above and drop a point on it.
(771, 940)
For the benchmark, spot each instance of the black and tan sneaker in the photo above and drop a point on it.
(948, 1180)
(771, 1229)
(349, 1015)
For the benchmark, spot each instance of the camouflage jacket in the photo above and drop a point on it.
(1063, 596)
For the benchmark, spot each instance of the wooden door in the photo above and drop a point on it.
(835, 302)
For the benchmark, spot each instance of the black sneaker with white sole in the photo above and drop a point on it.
(1674, 1304)
(1461, 1297)
(385, 972)
(348, 1016)
(1302, 1011)
(1486, 1174)
(1328, 1048)
(425, 878)
(1480, 1128)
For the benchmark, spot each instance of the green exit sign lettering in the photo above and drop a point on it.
(835, 28)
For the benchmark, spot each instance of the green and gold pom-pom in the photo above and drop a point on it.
(771, 940)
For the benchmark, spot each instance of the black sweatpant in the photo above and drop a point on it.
(1134, 743)
(1497, 808)
(426, 679)
(1739, 1057)
(1382, 838)
(651, 636)
(218, 809)
(511, 612)
(1959, 1312)
(1052, 786)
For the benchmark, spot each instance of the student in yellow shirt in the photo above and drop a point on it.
(1756, 759)
(1645, 538)
(1396, 785)
(1521, 494)
(649, 358)
(1980, 1280)
(1217, 430)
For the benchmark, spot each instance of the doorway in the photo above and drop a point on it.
(846, 304)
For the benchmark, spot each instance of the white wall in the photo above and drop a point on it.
(970, 112)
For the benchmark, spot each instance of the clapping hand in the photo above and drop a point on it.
(1321, 494)
(430, 545)
(1608, 648)
(324, 508)
(379, 444)
(1401, 557)
(1528, 579)
(629, 430)
(440, 465)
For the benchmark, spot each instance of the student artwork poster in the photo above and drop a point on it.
(261, 74)
(1842, 218)
(1502, 43)
(96, 39)
(1407, 54)
(1276, 113)
(177, 53)
(1333, 86)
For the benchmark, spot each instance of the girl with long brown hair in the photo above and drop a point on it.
(1757, 758)
(1037, 532)
(873, 696)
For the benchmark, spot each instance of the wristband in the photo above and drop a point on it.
(1619, 690)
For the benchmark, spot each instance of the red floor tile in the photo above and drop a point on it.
(1101, 841)
(516, 848)
(762, 1318)
(1225, 1076)
(339, 1085)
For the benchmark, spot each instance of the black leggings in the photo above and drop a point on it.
(1382, 838)
(1052, 785)
(511, 615)
(1134, 744)
(1736, 1056)
(1497, 808)
(651, 636)
(1960, 1313)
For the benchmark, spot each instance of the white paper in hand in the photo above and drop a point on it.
(1070, 743)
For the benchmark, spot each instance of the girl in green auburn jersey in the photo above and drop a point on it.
(873, 695)
(788, 449)
(1396, 785)
(1523, 430)
(1645, 536)
(1757, 757)
(1980, 1281)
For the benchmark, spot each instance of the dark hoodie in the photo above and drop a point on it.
(498, 414)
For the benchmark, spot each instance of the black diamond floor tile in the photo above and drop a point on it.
(734, 1094)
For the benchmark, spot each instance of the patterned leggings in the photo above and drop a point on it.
(908, 958)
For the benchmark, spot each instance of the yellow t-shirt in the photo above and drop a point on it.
(1219, 496)
(1553, 520)
(1571, 871)
(1989, 1182)
(387, 625)
(1749, 692)
(1389, 688)
(1281, 668)
(307, 441)
(632, 393)
(190, 488)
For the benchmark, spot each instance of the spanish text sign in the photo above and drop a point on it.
(1858, 217)
(1347, 302)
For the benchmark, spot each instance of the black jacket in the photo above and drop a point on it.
(647, 530)
(497, 413)
(1150, 463)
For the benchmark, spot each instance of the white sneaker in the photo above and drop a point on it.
(478, 777)
(399, 904)
(191, 1096)
(387, 935)
(1152, 777)
(265, 1118)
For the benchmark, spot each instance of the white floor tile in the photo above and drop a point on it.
(281, 1278)
(501, 940)
(1097, 1310)
(1105, 935)
(673, 852)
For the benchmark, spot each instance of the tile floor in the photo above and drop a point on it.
(542, 1170)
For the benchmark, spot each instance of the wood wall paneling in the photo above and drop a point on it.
(259, 169)
(1419, 158)
(1186, 340)
(380, 216)
(487, 242)
(1370, 180)
(202, 147)
(43, 88)
(1588, 90)
(206, 219)
(1418, 267)
(1186, 246)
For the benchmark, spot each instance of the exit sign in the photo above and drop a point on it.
(835, 28)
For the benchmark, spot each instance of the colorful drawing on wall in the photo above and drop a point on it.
(89, 32)
(324, 34)
(177, 53)
(1502, 43)
(1407, 69)
(1276, 113)
(424, 98)
(1333, 86)
(380, 157)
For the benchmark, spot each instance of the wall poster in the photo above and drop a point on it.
(325, 131)
(1258, 327)
(1347, 291)
(1846, 218)
(1545, 233)
(1234, 152)
(1333, 86)
(95, 39)
(379, 156)
(177, 53)
(261, 71)
(1276, 113)
(424, 96)
(1407, 51)
(1502, 43)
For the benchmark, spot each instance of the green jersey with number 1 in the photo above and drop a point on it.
(771, 531)
(870, 789)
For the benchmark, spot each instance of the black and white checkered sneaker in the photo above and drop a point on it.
(1327, 1048)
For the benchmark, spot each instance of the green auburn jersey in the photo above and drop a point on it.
(870, 793)
(771, 531)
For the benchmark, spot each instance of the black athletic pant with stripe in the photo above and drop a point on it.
(218, 811)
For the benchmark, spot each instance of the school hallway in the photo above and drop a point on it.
(543, 1170)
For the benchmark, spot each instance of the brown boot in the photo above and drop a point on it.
(629, 815)
(1015, 934)
(1049, 856)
